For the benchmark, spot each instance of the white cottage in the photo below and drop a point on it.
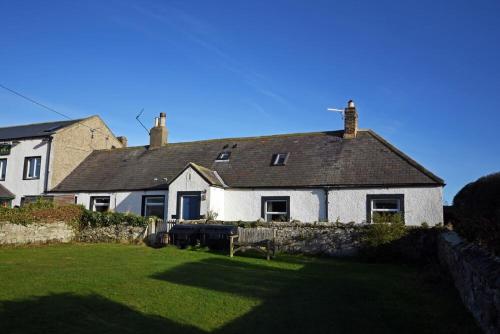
(346, 175)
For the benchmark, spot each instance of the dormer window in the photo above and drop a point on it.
(223, 156)
(279, 159)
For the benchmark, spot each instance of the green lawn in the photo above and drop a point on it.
(111, 288)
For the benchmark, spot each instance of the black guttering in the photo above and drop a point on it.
(47, 165)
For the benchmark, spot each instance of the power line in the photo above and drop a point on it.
(35, 102)
(92, 130)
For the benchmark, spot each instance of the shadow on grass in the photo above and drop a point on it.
(317, 296)
(70, 313)
(325, 297)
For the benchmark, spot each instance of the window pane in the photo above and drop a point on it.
(155, 210)
(276, 206)
(38, 162)
(101, 208)
(154, 200)
(276, 217)
(31, 169)
(386, 204)
(102, 201)
(3, 168)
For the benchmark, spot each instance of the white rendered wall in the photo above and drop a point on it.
(189, 180)
(216, 201)
(15, 167)
(423, 204)
(306, 205)
(126, 202)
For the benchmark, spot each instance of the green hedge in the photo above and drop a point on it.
(98, 219)
(477, 212)
(44, 211)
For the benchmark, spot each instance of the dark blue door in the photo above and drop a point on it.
(191, 207)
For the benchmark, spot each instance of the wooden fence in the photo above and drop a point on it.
(156, 229)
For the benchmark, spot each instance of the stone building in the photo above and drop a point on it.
(35, 158)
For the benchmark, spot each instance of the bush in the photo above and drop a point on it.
(47, 212)
(99, 219)
(385, 229)
(477, 212)
(41, 211)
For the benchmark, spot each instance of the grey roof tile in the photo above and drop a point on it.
(33, 130)
(315, 159)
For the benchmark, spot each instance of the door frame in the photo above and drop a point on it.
(179, 200)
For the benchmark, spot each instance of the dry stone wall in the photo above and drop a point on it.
(476, 275)
(114, 233)
(16, 234)
(318, 239)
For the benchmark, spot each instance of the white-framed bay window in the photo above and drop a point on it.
(153, 205)
(275, 208)
(386, 204)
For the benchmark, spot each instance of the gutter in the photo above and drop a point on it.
(47, 166)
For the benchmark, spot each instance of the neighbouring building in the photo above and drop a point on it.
(346, 175)
(35, 158)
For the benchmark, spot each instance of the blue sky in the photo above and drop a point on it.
(424, 74)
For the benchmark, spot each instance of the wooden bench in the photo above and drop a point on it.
(259, 239)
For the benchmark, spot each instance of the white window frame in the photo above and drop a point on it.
(277, 159)
(221, 155)
(397, 210)
(146, 204)
(266, 213)
(94, 204)
(3, 169)
(33, 166)
(373, 198)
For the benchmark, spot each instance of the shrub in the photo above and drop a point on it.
(99, 219)
(46, 212)
(385, 229)
(477, 212)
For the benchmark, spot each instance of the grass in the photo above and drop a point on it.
(111, 288)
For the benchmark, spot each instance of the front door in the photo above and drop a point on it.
(190, 205)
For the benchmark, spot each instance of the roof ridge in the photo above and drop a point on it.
(41, 123)
(238, 138)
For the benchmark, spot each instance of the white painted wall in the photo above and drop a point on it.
(122, 201)
(189, 180)
(423, 204)
(306, 205)
(15, 167)
(216, 199)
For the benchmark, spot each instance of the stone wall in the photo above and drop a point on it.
(476, 275)
(37, 233)
(15, 234)
(114, 233)
(317, 239)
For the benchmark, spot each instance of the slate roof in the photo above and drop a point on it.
(315, 159)
(34, 130)
(5, 193)
(210, 176)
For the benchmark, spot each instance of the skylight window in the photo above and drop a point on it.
(279, 159)
(223, 156)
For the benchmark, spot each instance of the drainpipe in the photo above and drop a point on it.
(47, 166)
(327, 191)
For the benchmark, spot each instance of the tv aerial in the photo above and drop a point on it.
(138, 120)
(340, 111)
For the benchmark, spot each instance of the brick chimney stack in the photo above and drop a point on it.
(350, 120)
(158, 135)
